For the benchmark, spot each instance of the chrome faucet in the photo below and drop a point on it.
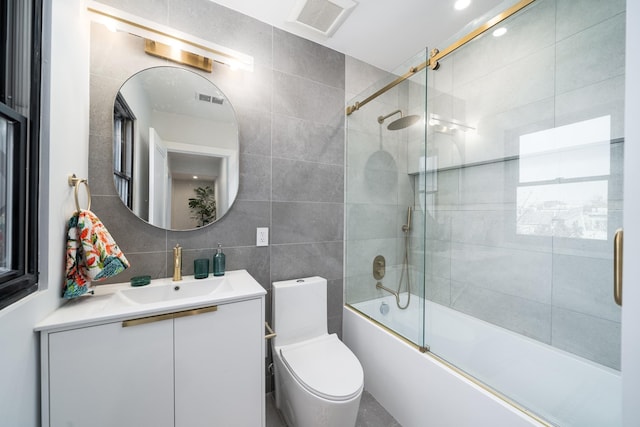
(177, 263)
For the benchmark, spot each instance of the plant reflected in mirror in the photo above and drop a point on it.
(203, 206)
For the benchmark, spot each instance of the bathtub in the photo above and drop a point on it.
(420, 390)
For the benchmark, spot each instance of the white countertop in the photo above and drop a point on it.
(109, 303)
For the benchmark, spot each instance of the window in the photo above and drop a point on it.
(20, 41)
(564, 181)
(123, 122)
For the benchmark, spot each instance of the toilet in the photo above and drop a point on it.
(319, 381)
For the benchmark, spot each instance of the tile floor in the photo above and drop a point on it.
(371, 413)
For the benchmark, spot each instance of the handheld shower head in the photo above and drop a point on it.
(406, 227)
(401, 123)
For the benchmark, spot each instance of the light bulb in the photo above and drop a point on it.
(499, 32)
(461, 4)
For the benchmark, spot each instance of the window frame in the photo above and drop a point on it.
(22, 278)
(123, 168)
(603, 177)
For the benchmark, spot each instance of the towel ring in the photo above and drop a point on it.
(75, 182)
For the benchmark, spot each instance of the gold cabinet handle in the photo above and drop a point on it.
(617, 266)
(166, 316)
(271, 334)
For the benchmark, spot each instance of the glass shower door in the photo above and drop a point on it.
(527, 134)
(385, 184)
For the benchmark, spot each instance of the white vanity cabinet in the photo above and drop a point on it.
(203, 366)
(108, 375)
(219, 366)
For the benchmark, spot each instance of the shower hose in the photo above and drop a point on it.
(405, 268)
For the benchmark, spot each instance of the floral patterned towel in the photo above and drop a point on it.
(92, 254)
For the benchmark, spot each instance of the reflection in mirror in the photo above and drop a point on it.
(175, 134)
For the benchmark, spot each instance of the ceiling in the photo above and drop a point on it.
(384, 33)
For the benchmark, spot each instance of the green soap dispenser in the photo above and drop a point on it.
(218, 262)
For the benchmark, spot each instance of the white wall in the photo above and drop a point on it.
(65, 130)
(194, 130)
(631, 291)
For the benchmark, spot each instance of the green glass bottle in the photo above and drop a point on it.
(218, 262)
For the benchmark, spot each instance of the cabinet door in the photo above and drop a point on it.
(108, 375)
(219, 367)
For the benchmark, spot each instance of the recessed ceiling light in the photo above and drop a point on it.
(499, 32)
(461, 4)
(195, 176)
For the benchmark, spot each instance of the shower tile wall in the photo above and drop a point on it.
(380, 184)
(290, 111)
(547, 71)
(368, 212)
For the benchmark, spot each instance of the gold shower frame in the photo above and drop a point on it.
(436, 55)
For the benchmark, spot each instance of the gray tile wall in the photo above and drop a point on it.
(379, 181)
(290, 111)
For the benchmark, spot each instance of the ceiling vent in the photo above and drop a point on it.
(321, 16)
(209, 98)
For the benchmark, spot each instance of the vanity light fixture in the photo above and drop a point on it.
(110, 24)
(168, 40)
(178, 55)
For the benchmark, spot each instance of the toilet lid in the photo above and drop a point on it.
(325, 367)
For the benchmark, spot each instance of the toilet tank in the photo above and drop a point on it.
(299, 309)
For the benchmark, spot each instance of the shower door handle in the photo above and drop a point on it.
(617, 266)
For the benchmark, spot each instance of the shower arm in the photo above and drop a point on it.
(381, 119)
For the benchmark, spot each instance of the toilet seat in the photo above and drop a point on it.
(325, 367)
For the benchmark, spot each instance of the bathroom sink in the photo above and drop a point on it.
(172, 291)
(121, 301)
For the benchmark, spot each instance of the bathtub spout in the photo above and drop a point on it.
(381, 286)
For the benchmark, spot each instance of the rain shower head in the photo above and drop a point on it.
(401, 123)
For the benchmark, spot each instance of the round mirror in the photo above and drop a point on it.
(175, 148)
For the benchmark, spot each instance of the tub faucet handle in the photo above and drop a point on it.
(379, 265)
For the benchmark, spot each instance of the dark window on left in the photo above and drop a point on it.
(20, 75)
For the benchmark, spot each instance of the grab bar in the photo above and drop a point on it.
(617, 266)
